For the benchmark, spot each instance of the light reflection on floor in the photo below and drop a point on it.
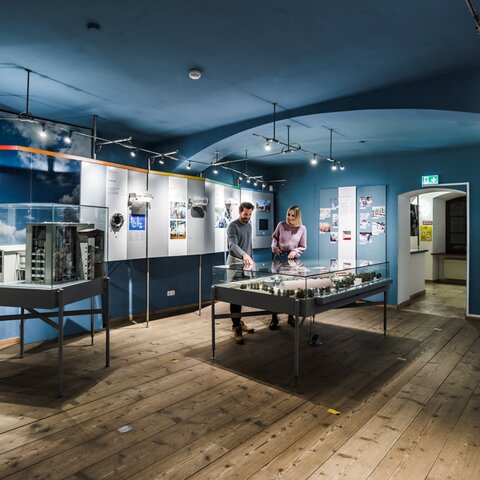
(440, 299)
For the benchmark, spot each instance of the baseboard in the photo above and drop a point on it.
(406, 303)
(473, 317)
(157, 314)
(418, 294)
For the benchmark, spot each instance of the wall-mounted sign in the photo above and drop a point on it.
(426, 233)
(429, 180)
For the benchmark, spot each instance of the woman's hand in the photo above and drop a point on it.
(292, 255)
(277, 251)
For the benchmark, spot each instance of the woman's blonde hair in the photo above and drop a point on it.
(298, 214)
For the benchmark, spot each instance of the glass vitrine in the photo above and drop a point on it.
(302, 280)
(46, 245)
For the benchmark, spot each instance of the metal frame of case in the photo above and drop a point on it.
(300, 304)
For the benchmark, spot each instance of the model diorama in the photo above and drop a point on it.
(297, 281)
(63, 252)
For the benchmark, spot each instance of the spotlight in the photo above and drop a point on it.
(248, 180)
(215, 171)
(240, 179)
(68, 138)
(255, 183)
(43, 132)
(268, 147)
(189, 166)
(133, 153)
(314, 160)
(161, 162)
(334, 166)
(342, 166)
(264, 185)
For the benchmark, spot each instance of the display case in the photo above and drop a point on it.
(45, 245)
(276, 285)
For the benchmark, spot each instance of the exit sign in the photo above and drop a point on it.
(429, 180)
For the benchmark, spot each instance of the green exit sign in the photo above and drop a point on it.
(429, 180)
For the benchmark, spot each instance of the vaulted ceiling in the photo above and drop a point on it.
(383, 75)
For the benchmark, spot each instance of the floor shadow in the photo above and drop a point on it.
(267, 357)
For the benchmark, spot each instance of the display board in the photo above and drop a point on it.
(352, 223)
(262, 217)
(180, 215)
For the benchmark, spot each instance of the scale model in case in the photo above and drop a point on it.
(63, 252)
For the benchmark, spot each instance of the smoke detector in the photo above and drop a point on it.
(195, 73)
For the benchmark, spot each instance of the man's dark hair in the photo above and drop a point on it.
(245, 206)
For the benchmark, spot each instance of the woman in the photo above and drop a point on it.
(290, 240)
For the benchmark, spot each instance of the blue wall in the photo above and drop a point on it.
(400, 173)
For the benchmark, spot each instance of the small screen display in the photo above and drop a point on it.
(263, 224)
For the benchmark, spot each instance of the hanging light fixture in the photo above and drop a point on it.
(215, 170)
(67, 138)
(43, 131)
(189, 166)
(314, 160)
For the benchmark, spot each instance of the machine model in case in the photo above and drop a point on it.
(60, 252)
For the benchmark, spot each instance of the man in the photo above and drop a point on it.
(240, 252)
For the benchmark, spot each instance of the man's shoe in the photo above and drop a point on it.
(237, 335)
(291, 321)
(245, 328)
(274, 322)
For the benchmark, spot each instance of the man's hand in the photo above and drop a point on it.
(247, 259)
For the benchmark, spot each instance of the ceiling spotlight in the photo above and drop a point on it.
(43, 132)
(133, 153)
(334, 166)
(264, 185)
(342, 166)
(195, 73)
(314, 160)
(161, 162)
(189, 166)
(240, 179)
(268, 147)
(255, 183)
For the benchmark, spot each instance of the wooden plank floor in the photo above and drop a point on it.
(409, 404)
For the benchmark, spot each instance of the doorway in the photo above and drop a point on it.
(433, 253)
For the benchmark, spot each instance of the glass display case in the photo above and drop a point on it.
(44, 245)
(294, 279)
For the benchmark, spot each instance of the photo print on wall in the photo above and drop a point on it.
(324, 227)
(378, 228)
(364, 238)
(178, 210)
(364, 220)
(378, 212)
(178, 230)
(365, 201)
(324, 213)
(263, 205)
(334, 220)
